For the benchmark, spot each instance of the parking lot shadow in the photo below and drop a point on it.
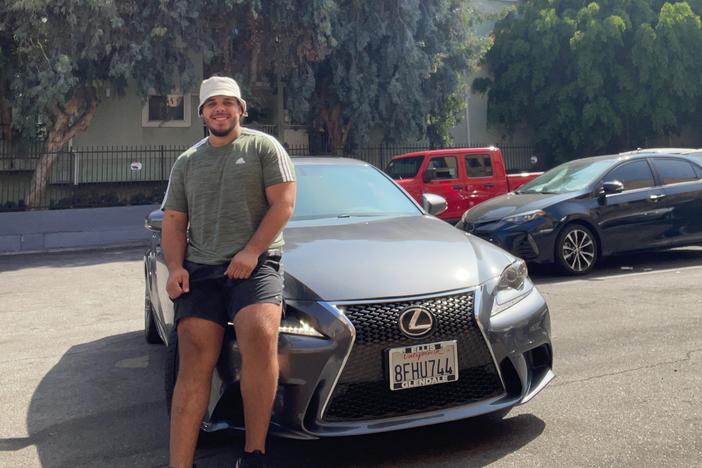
(472, 442)
(100, 405)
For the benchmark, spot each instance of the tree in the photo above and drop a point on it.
(351, 65)
(268, 39)
(348, 65)
(397, 66)
(589, 77)
(67, 51)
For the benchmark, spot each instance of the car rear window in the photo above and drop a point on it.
(674, 171)
(697, 157)
(478, 165)
(404, 168)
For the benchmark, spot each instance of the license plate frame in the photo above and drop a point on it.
(415, 361)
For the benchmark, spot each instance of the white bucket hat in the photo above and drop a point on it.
(220, 86)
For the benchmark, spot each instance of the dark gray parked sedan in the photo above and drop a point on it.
(393, 318)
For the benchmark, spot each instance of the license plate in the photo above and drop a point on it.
(421, 365)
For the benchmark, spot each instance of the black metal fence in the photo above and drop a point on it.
(95, 176)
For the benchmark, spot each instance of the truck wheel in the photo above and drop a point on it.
(576, 250)
(150, 330)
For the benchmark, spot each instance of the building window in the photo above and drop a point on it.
(171, 110)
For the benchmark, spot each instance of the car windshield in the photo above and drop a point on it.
(404, 168)
(344, 191)
(568, 177)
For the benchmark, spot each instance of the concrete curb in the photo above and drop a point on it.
(87, 248)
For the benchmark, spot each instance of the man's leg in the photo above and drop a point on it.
(199, 346)
(257, 336)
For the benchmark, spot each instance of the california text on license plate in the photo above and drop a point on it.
(420, 365)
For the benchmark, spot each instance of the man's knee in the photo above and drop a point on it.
(257, 327)
(199, 344)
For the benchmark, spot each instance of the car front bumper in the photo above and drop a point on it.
(532, 242)
(334, 386)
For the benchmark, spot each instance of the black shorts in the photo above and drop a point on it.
(215, 297)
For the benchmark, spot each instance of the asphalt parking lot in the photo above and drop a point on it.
(80, 387)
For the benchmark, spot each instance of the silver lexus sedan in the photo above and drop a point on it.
(393, 318)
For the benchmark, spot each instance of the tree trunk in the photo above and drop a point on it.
(332, 116)
(40, 179)
(223, 27)
(83, 104)
(255, 46)
(5, 120)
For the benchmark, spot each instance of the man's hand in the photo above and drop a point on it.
(178, 282)
(242, 264)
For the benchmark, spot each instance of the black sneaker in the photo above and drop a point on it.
(256, 459)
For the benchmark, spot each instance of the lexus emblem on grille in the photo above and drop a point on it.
(416, 321)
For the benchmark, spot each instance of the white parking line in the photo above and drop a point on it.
(624, 275)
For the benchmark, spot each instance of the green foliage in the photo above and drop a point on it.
(348, 65)
(590, 77)
(68, 51)
(397, 66)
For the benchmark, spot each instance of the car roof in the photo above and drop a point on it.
(432, 152)
(641, 154)
(670, 151)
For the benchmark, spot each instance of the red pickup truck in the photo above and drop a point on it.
(463, 176)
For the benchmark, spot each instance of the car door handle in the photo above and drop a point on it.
(655, 198)
(457, 187)
(489, 185)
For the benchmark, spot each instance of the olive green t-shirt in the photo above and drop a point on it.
(223, 192)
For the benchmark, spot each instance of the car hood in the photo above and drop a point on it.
(365, 258)
(513, 204)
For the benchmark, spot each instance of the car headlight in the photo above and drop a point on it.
(292, 324)
(525, 217)
(513, 285)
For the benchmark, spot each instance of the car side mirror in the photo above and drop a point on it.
(611, 186)
(154, 220)
(434, 204)
(429, 174)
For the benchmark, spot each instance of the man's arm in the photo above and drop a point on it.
(281, 201)
(174, 241)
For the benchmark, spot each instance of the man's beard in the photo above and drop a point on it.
(221, 133)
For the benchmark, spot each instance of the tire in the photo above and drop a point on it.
(577, 251)
(150, 331)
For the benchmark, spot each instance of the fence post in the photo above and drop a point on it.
(76, 167)
(163, 163)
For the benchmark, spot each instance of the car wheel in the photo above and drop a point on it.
(576, 250)
(150, 330)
